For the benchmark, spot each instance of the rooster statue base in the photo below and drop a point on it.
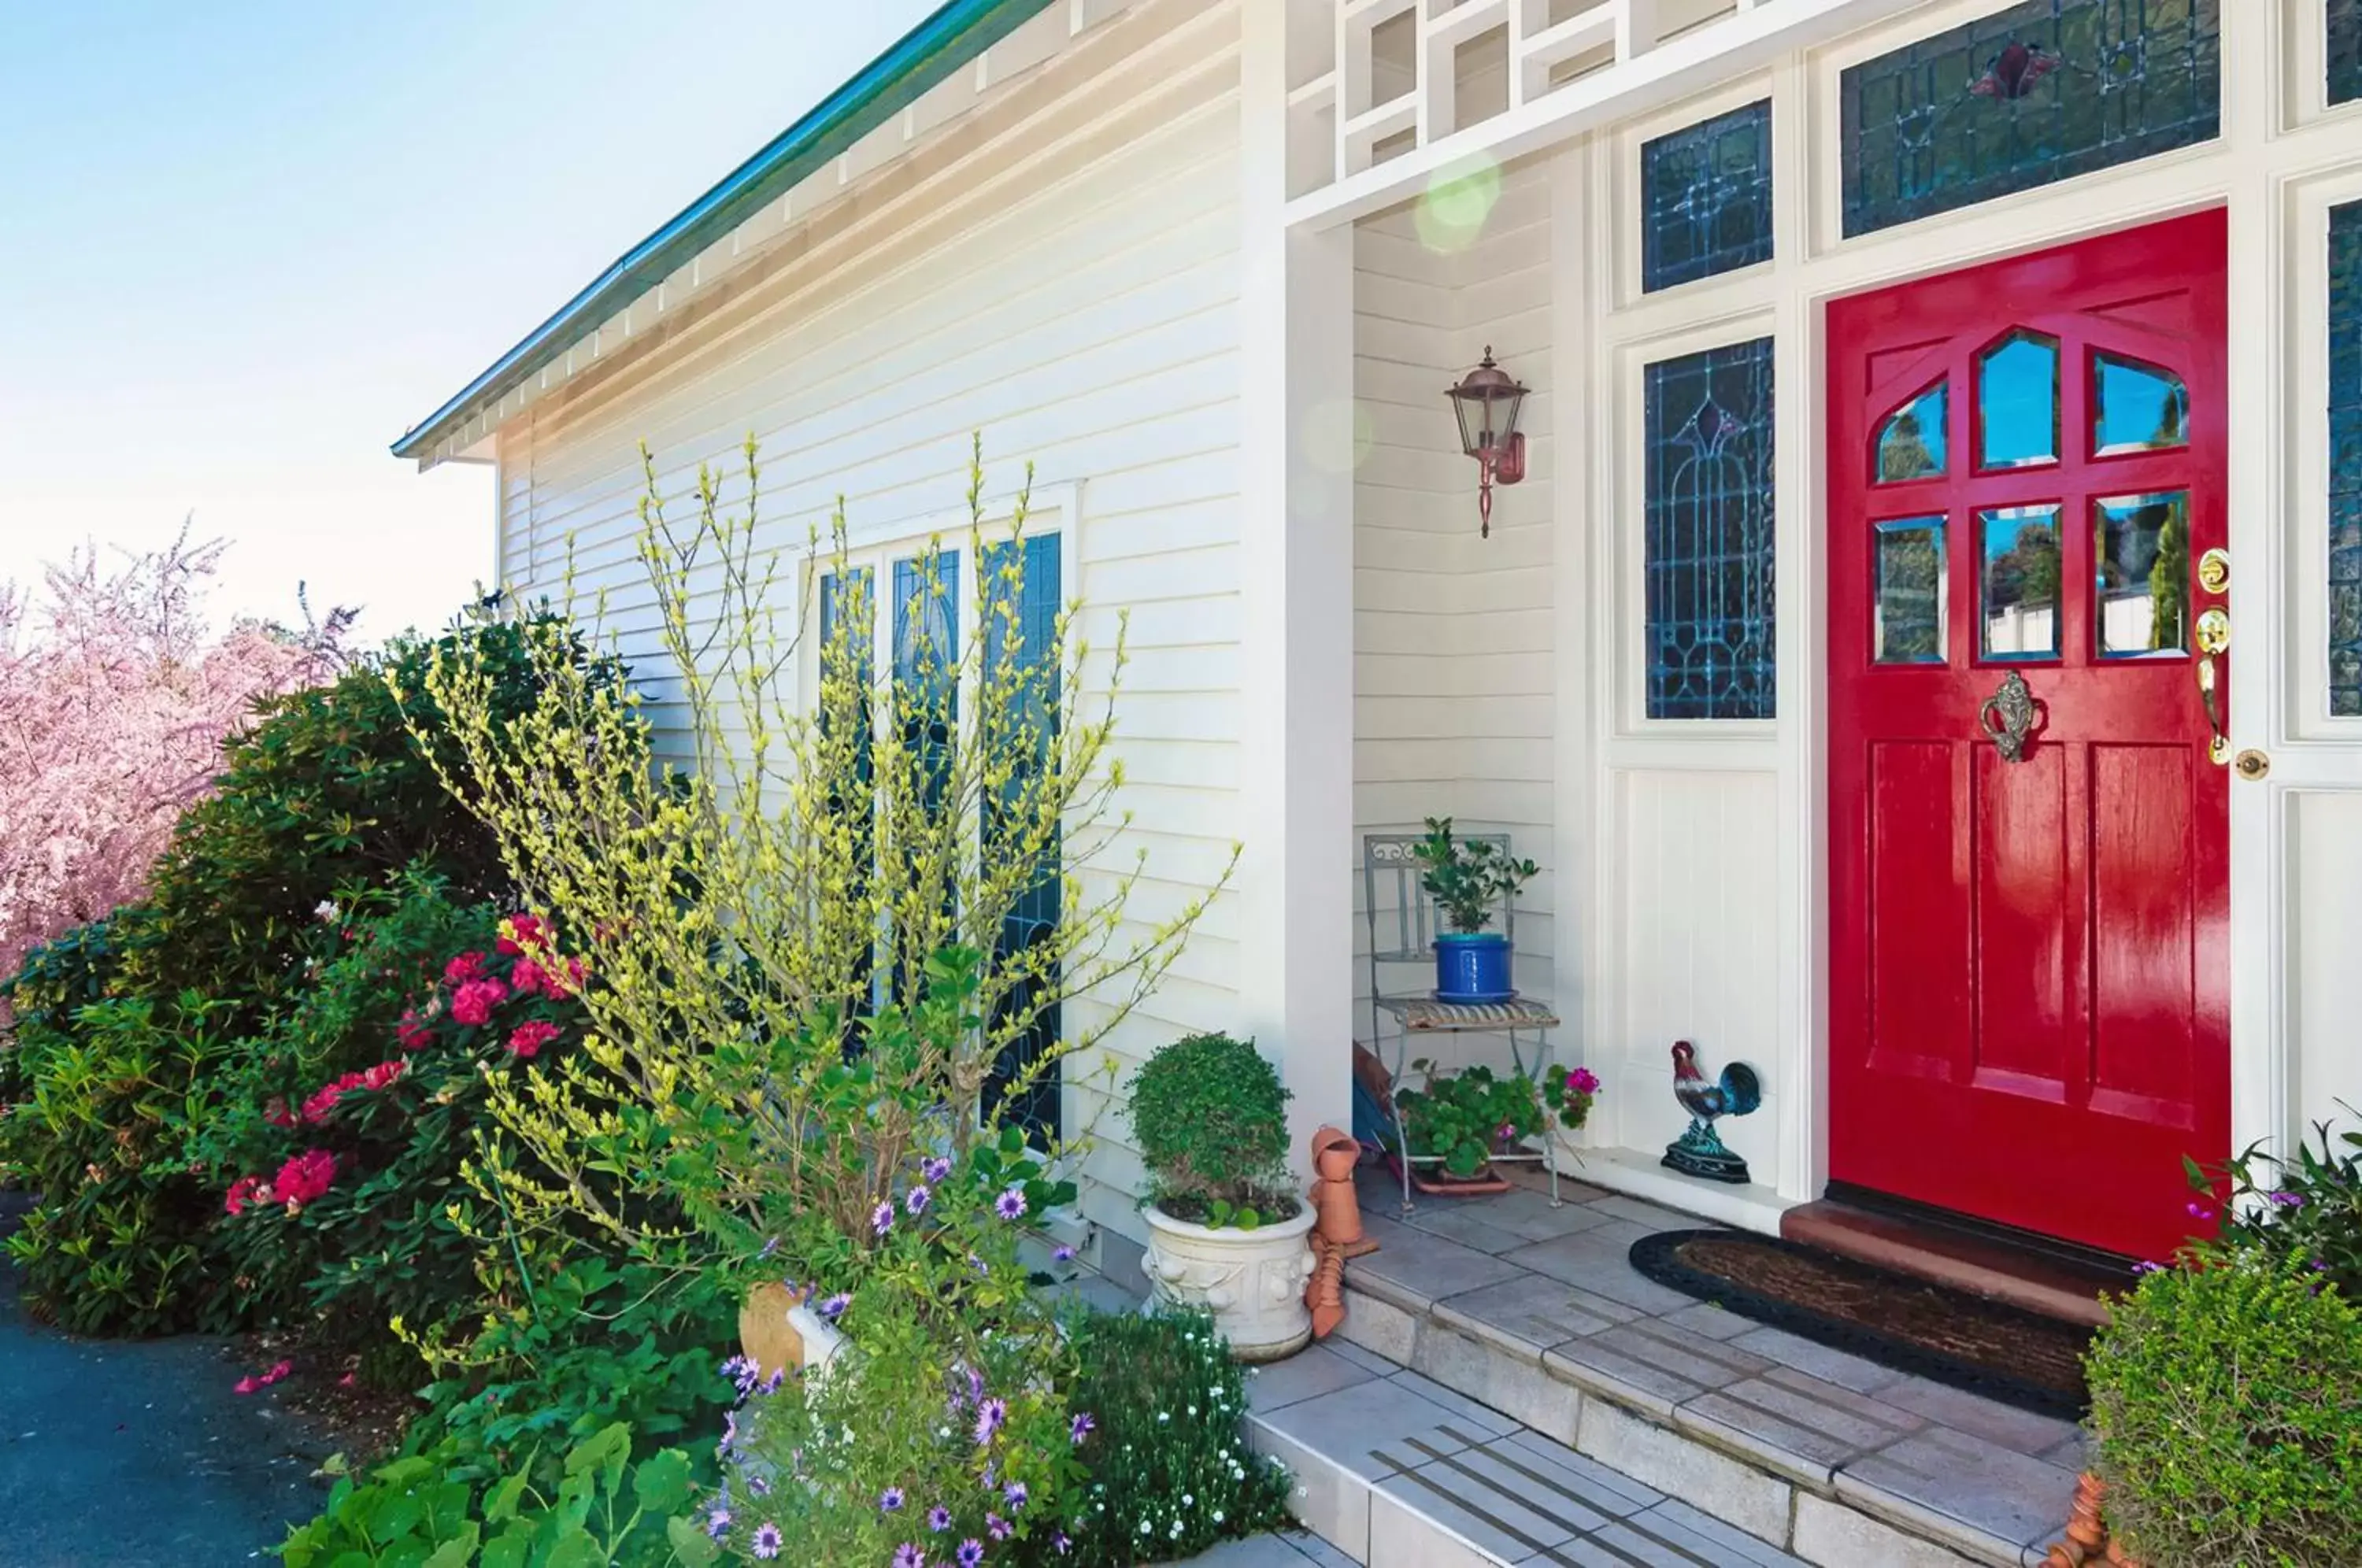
(1700, 1152)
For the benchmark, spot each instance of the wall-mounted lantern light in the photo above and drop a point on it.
(1486, 401)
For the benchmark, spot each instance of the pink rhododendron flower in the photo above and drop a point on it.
(466, 967)
(522, 933)
(245, 1385)
(243, 1192)
(275, 1111)
(412, 1032)
(277, 1373)
(472, 1004)
(529, 1037)
(383, 1074)
(304, 1179)
(525, 977)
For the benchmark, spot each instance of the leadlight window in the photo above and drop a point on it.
(1707, 550)
(2346, 461)
(1018, 595)
(1706, 194)
(2344, 50)
(2039, 93)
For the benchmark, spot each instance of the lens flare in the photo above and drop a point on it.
(1452, 213)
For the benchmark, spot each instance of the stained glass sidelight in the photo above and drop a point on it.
(2344, 50)
(2346, 461)
(1909, 615)
(1709, 533)
(2017, 561)
(1018, 597)
(1705, 193)
(2038, 92)
(1910, 444)
(2142, 545)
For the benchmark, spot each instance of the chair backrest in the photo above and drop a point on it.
(1402, 915)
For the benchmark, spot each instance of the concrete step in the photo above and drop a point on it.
(1419, 1444)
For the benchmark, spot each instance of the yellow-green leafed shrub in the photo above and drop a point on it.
(2228, 1404)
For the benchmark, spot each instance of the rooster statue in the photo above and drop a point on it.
(1700, 1152)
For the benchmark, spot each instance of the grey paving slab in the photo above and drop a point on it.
(1675, 1535)
(1422, 1267)
(1528, 1217)
(1599, 1261)
(1529, 1314)
(1477, 1417)
(1378, 1429)
(1263, 1552)
(1786, 1416)
(1948, 1475)
(1651, 1216)
(1653, 1365)
(1368, 1360)
(1492, 1504)
(1555, 1466)
(2020, 1430)
(1846, 1371)
(1307, 1375)
(1713, 1321)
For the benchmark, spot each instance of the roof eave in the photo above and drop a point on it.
(953, 35)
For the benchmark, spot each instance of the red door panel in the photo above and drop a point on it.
(2030, 974)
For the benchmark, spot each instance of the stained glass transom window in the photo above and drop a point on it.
(1709, 544)
(2344, 50)
(1707, 191)
(2039, 93)
(2346, 461)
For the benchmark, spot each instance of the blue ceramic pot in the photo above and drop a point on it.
(1472, 967)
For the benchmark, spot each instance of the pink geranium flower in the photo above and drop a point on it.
(472, 1004)
(529, 1037)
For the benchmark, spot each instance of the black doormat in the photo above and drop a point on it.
(2002, 1351)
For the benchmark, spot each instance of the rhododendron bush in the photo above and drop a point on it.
(114, 700)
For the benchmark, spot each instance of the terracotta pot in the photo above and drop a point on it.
(1252, 1281)
(779, 1333)
(2087, 1533)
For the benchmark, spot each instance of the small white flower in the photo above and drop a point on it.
(1217, 1516)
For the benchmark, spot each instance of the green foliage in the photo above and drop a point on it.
(114, 1242)
(1466, 1119)
(1468, 878)
(2227, 1401)
(589, 1504)
(1170, 1471)
(2304, 1211)
(1211, 1117)
(330, 788)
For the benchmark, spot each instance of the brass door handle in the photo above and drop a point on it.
(2218, 749)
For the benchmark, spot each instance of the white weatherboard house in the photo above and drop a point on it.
(1890, 362)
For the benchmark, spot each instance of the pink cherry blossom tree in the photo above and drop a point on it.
(116, 696)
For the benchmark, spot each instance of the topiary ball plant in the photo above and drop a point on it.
(2227, 1401)
(1211, 1117)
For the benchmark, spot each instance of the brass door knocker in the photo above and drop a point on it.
(2007, 717)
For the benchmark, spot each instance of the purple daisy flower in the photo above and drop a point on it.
(767, 1542)
(995, 1526)
(1010, 1205)
(758, 1486)
(915, 1201)
(881, 1219)
(1015, 1494)
(971, 1552)
(772, 1384)
(1080, 1427)
(939, 1519)
(978, 1264)
(2288, 1199)
(1063, 1254)
(834, 1307)
(717, 1523)
(975, 1384)
(936, 1169)
(2146, 1266)
(890, 1501)
(1062, 1541)
(909, 1556)
(989, 1414)
(770, 1249)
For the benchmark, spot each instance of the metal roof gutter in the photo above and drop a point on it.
(955, 34)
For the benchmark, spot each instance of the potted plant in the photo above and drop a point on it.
(1225, 1232)
(1469, 880)
(1456, 1124)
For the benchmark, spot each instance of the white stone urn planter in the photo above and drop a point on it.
(1252, 1281)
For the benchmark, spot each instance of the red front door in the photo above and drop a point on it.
(2029, 973)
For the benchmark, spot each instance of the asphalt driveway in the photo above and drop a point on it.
(135, 1451)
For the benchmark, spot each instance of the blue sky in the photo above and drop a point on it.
(244, 245)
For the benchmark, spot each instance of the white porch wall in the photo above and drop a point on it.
(1454, 635)
(1066, 279)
